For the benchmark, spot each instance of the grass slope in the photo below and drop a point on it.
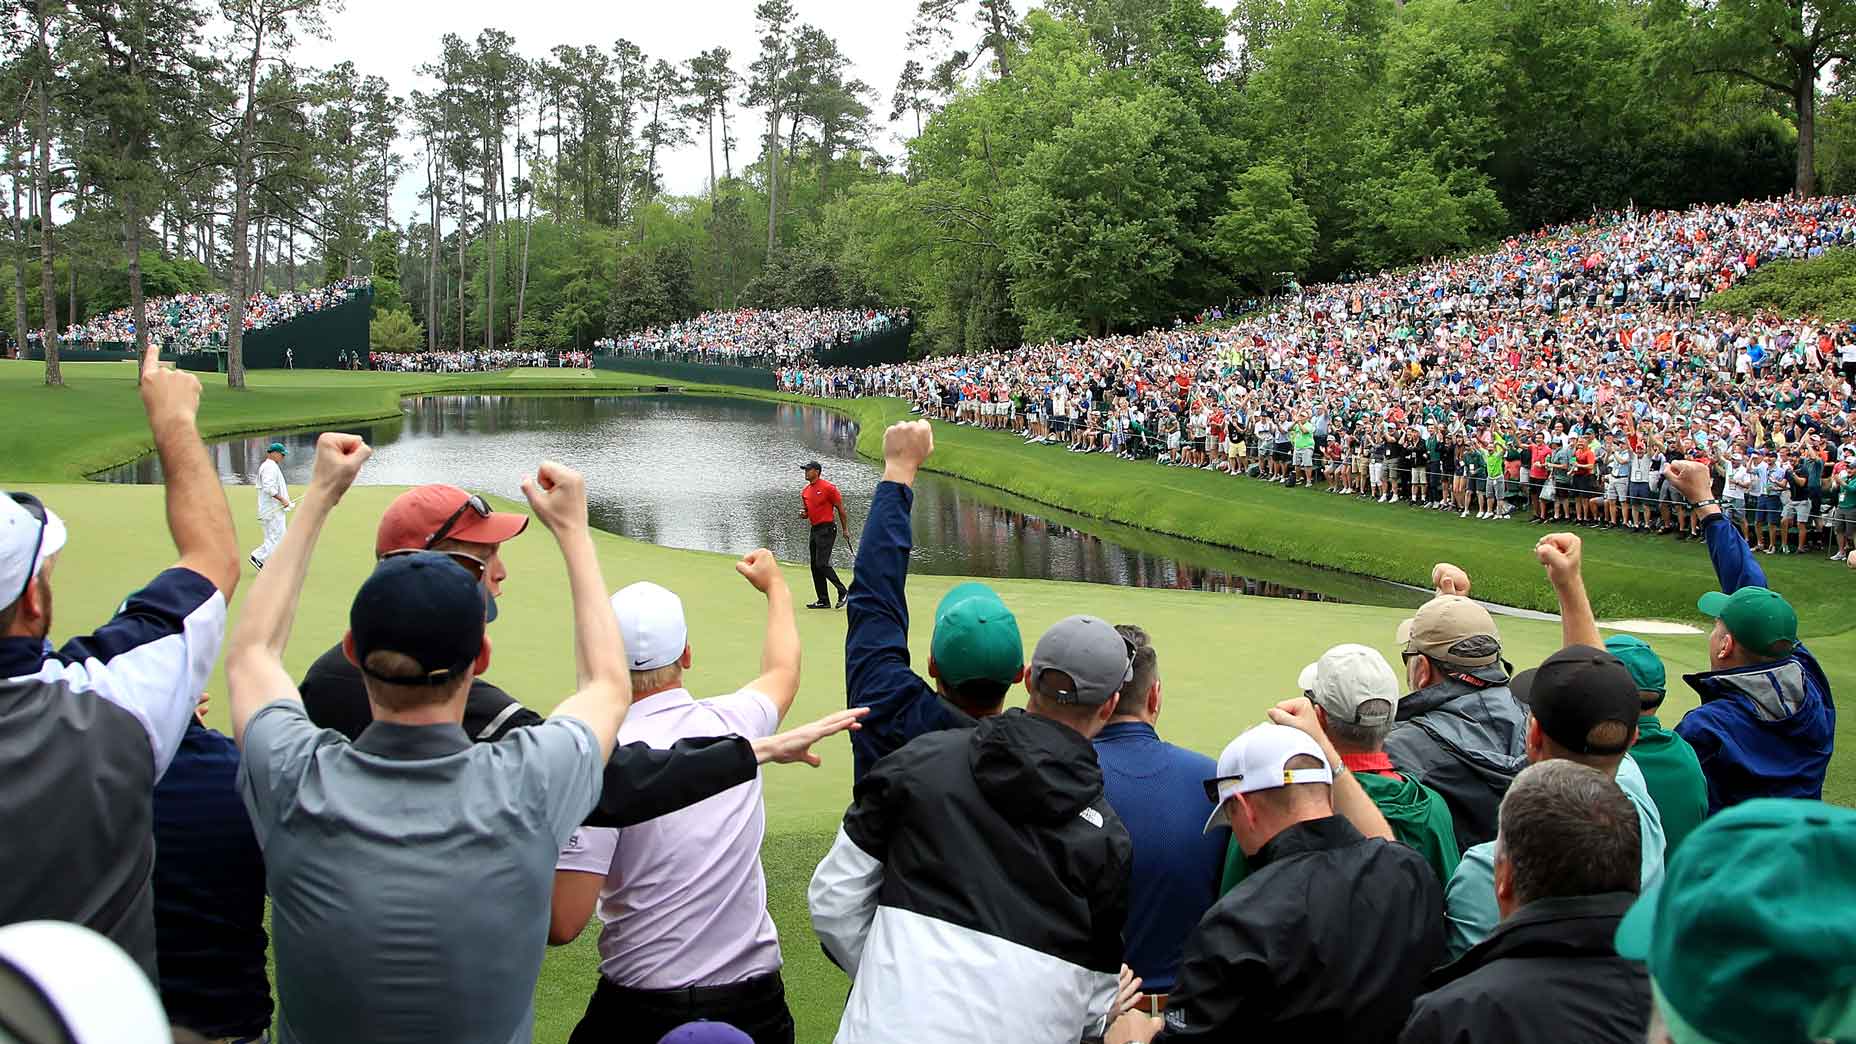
(1821, 287)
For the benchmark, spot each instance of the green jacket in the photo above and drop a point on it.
(1673, 774)
(1417, 814)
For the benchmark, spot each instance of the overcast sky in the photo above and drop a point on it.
(390, 38)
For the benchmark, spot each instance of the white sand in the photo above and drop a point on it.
(1649, 626)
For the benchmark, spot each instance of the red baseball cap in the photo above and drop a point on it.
(418, 514)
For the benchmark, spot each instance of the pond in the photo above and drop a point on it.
(721, 474)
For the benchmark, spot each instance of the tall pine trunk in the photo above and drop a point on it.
(238, 281)
(773, 177)
(48, 296)
(1806, 102)
(20, 330)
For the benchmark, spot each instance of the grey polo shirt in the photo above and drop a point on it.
(410, 871)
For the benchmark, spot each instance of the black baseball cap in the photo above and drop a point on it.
(423, 606)
(811, 465)
(1576, 690)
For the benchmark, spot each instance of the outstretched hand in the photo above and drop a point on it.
(1692, 479)
(169, 395)
(1449, 579)
(339, 458)
(795, 745)
(906, 445)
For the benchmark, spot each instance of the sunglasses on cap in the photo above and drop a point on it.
(473, 565)
(1211, 786)
(472, 502)
(36, 509)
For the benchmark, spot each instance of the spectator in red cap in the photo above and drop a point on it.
(460, 524)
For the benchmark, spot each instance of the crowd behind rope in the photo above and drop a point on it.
(1554, 376)
(478, 360)
(198, 321)
(1463, 853)
(756, 336)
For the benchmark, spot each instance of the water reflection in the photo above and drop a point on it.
(723, 475)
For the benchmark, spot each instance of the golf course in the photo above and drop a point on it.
(1223, 659)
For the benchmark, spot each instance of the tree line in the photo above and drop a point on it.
(1082, 168)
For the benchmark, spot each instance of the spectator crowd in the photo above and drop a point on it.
(477, 360)
(1553, 377)
(753, 336)
(197, 321)
(1455, 851)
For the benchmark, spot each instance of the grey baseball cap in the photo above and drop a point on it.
(1097, 658)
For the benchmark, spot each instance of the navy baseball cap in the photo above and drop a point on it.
(425, 607)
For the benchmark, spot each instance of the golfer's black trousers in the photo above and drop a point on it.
(824, 538)
(617, 1015)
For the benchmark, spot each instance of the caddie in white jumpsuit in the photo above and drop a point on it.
(273, 498)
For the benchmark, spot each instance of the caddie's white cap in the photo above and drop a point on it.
(21, 532)
(651, 621)
(90, 989)
(1354, 684)
(1254, 761)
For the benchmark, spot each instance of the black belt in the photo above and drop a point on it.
(765, 985)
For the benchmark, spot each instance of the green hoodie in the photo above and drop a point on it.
(1673, 774)
(1416, 813)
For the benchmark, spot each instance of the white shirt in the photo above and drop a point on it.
(685, 900)
(270, 487)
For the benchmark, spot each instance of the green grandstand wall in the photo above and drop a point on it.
(315, 340)
(700, 373)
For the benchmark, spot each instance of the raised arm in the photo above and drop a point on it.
(558, 496)
(779, 654)
(1734, 565)
(1562, 555)
(198, 517)
(255, 672)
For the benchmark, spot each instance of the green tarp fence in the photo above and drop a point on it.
(871, 349)
(315, 341)
(697, 373)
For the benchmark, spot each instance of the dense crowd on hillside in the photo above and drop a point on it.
(1459, 854)
(1555, 375)
(477, 360)
(197, 321)
(753, 336)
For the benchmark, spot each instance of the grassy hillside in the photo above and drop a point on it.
(1823, 288)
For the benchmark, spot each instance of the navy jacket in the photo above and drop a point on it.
(1765, 730)
(876, 642)
(209, 894)
(1158, 791)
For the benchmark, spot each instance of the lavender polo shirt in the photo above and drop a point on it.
(685, 901)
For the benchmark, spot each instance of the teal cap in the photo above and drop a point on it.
(1756, 617)
(976, 637)
(1750, 937)
(278, 447)
(1645, 667)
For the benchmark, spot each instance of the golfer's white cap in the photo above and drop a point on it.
(1354, 684)
(1254, 761)
(20, 533)
(87, 986)
(651, 621)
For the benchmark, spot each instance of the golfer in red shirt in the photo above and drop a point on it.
(824, 510)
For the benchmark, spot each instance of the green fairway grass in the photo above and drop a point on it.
(1223, 658)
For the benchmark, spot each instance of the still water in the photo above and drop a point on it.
(723, 475)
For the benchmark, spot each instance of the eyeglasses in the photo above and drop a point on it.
(37, 510)
(1211, 787)
(473, 565)
(471, 503)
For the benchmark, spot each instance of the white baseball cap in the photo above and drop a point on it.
(1347, 680)
(89, 988)
(1254, 761)
(25, 542)
(651, 621)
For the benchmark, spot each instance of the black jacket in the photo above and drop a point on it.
(1327, 940)
(1549, 974)
(641, 783)
(978, 889)
(1466, 743)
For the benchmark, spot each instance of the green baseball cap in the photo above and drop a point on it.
(278, 447)
(1645, 667)
(976, 637)
(1750, 937)
(1756, 617)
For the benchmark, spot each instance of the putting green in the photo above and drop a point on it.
(1223, 658)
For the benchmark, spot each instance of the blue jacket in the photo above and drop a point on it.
(876, 643)
(1157, 790)
(1765, 730)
